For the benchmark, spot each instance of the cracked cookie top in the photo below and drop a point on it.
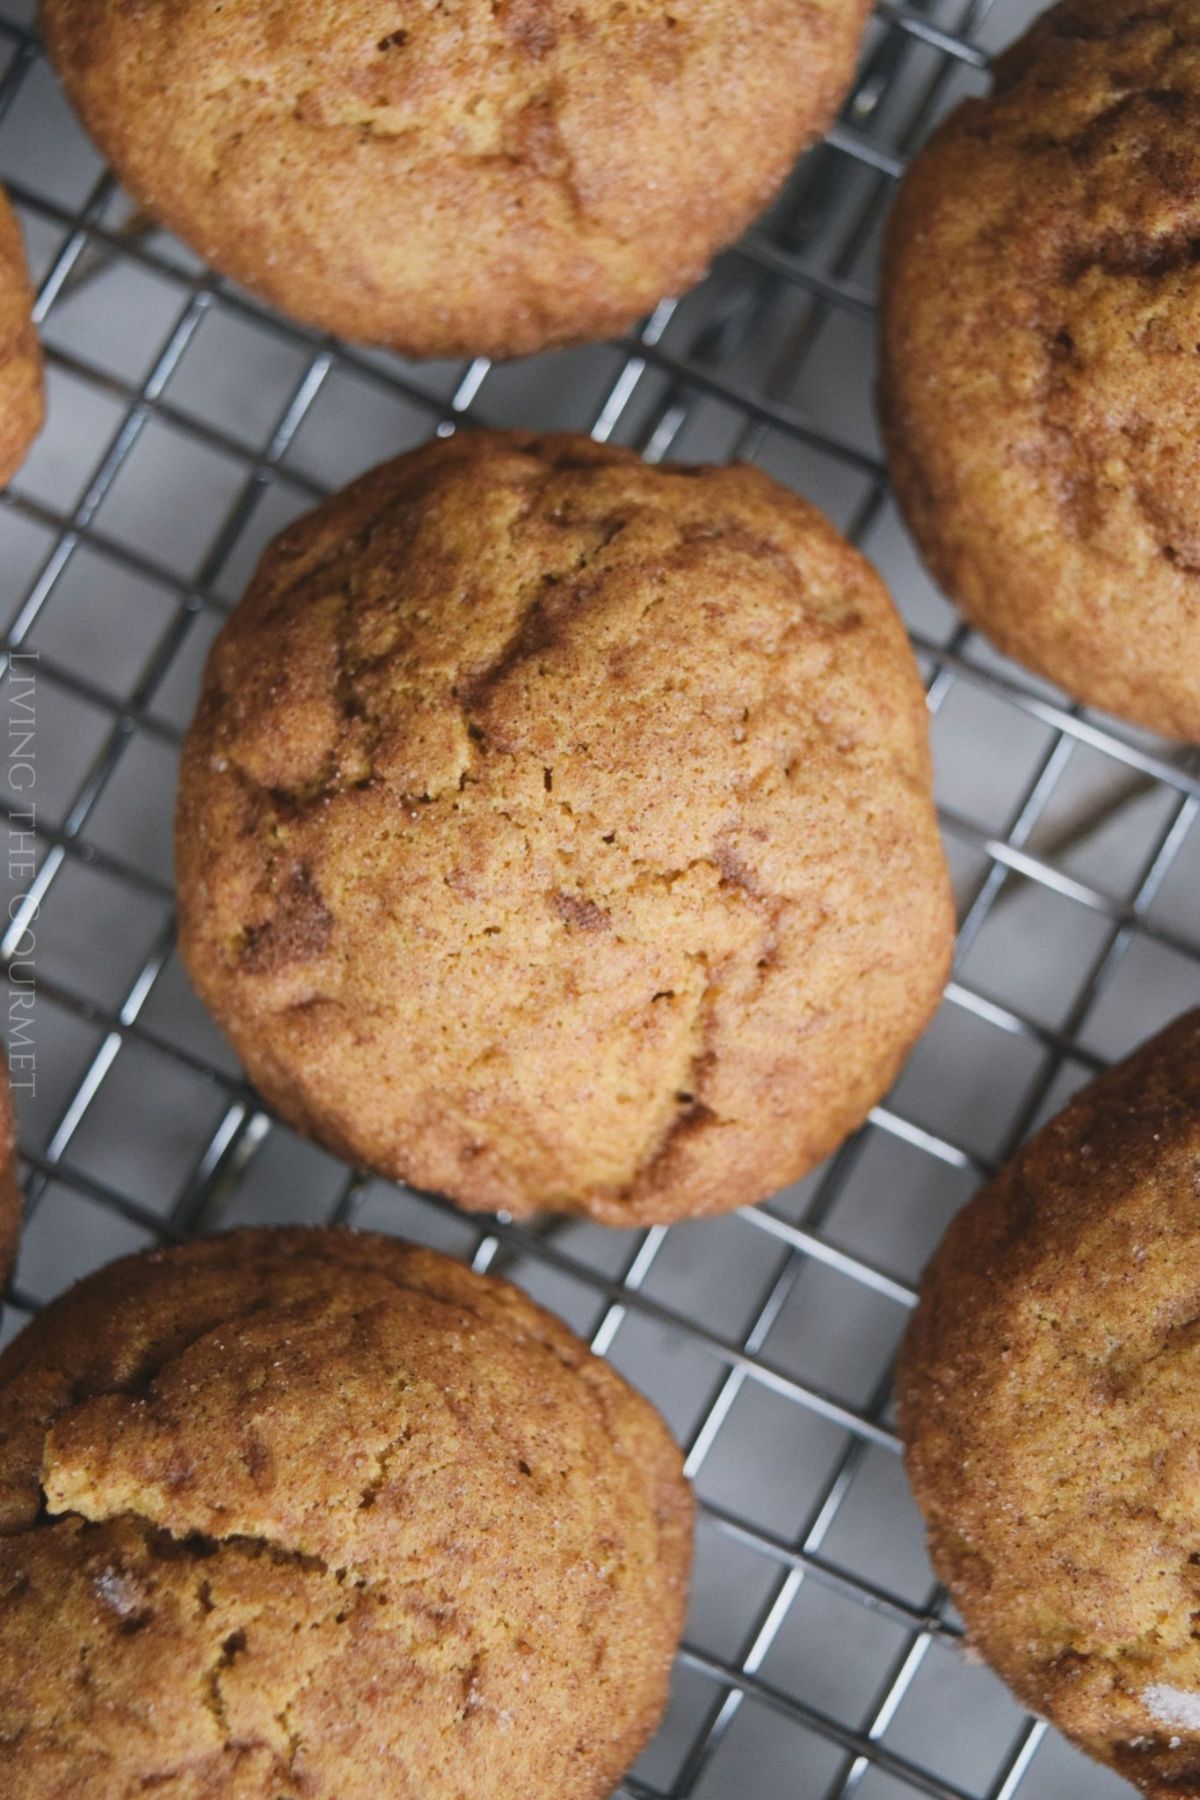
(1041, 342)
(1049, 1399)
(305, 1515)
(476, 176)
(555, 830)
(22, 405)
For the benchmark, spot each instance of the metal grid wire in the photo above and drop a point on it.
(187, 424)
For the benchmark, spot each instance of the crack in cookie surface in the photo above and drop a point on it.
(504, 744)
(324, 1511)
(1047, 1393)
(1041, 371)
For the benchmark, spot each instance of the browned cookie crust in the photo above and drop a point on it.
(1050, 1402)
(21, 401)
(555, 830)
(486, 176)
(300, 1515)
(1041, 384)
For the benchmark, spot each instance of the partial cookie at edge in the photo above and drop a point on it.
(331, 1516)
(488, 178)
(1048, 1399)
(22, 406)
(1041, 386)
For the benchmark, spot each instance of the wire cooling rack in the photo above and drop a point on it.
(188, 424)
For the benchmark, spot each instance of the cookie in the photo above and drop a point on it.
(480, 176)
(1041, 383)
(22, 407)
(555, 831)
(303, 1515)
(1049, 1400)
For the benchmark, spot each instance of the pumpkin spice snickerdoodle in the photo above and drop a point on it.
(1050, 1404)
(1041, 379)
(555, 831)
(21, 399)
(476, 177)
(301, 1515)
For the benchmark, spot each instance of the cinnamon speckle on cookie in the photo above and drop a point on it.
(474, 177)
(304, 1515)
(1049, 1401)
(533, 787)
(1041, 356)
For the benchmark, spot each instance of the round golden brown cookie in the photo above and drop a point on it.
(1051, 1407)
(479, 176)
(301, 1515)
(1041, 386)
(21, 401)
(555, 831)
